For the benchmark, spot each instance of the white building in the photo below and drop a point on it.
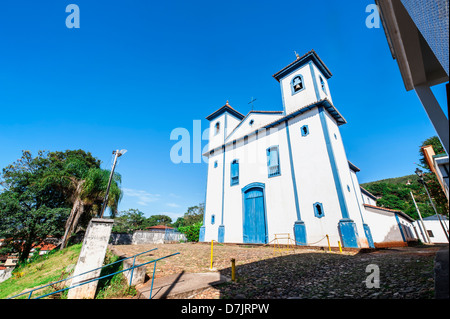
(437, 230)
(284, 171)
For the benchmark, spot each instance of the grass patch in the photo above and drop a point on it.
(52, 267)
(43, 270)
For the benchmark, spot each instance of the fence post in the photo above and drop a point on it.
(233, 269)
(328, 239)
(211, 267)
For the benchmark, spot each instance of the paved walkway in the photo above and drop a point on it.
(179, 286)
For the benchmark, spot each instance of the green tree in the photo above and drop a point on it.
(78, 175)
(29, 209)
(437, 148)
(155, 220)
(62, 180)
(129, 221)
(193, 216)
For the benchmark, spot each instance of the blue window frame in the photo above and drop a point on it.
(273, 161)
(322, 84)
(305, 130)
(234, 172)
(215, 164)
(318, 210)
(213, 219)
(297, 84)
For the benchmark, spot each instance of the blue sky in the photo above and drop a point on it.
(136, 70)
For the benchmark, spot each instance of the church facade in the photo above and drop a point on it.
(284, 172)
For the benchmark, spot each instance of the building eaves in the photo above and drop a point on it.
(390, 211)
(325, 103)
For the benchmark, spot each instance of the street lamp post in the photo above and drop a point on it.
(419, 173)
(105, 200)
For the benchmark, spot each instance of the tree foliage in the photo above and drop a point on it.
(41, 192)
(437, 148)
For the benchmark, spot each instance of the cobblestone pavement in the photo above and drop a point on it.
(263, 272)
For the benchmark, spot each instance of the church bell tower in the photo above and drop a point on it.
(303, 82)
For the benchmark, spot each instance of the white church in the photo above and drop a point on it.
(286, 172)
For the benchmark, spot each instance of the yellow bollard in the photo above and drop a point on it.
(233, 269)
(340, 248)
(328, 239)
(211, 267)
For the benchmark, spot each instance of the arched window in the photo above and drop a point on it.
(217, 128)
(273, 161)
(318, 210)
(322, 84)
(234, 172)
(297, 84)
(305, 130)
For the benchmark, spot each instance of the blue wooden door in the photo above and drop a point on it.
(254, 217)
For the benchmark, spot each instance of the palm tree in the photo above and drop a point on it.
(87, 197)
(78, 176)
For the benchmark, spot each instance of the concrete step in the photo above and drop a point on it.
(179, 286)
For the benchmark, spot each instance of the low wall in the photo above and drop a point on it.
(146, 237)
(155, 237)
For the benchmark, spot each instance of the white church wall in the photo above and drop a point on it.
(345, 178)
(213, 195)
(383, 225)
(302, 98)
(280, 207)
(216, 138)
(322, 93)
(259, 120)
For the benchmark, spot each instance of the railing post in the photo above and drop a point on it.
(132, 270)
(153, 278)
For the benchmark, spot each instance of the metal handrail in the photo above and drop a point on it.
(118, 272)
(121, 260)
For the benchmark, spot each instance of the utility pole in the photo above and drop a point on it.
(421, 181)
(426, 237)
(105, 200)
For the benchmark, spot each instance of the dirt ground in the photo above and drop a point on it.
(266, 272)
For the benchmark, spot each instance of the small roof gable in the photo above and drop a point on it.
(310, 56)
(223, 109)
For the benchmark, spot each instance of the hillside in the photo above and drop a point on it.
(394, 193)
(57, 265)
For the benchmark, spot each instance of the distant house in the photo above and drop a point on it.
(434, 229)
(43, 248)
(160, 228)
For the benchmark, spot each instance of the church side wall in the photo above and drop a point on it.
(346, 180)
(279, 199)
(213, 204)
(314, 180)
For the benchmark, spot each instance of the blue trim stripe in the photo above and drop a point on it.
(334, 169)
(314, 81)
(294, 184)
(400, 226)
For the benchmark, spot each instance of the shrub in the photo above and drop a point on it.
(192, 232)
